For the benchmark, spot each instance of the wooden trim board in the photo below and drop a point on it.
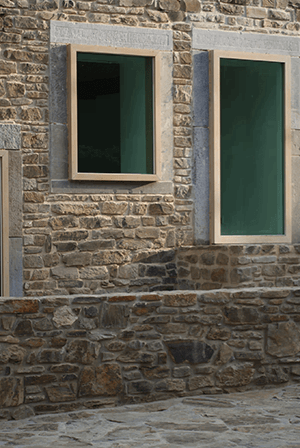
(72, 114)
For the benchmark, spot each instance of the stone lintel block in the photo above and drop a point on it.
(110, 36)
(255, 43)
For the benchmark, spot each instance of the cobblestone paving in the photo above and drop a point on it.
(266, 418)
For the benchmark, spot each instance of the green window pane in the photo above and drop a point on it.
(252, 147)
(115, 113)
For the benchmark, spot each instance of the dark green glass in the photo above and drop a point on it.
(252, 147)
(115, 113)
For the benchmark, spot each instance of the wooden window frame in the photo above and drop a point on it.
(215, 149)
(72, 51)
(4, 204)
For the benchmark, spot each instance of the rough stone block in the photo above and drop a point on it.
(62, 392)
(235, 375)
(113, 316)
(11, 392)
(283, 339)
(82, 351)
(198, 382)
(105, 380)
(180, 299)
(194, 352)
(64, 316)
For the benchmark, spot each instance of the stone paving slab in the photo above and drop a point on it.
(268, 418)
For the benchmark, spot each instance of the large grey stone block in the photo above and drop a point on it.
(15, 267)
(15, 194)
(64, 186)
(295, 93)
(58, 151)
(295, 199)
(252, 42)
(110, 36)
(10, 136)
(58, 84)
(200, 178)
(166, 119)
(201, 89)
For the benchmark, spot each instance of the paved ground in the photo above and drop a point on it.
(268, 418)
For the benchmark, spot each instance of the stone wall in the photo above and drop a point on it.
(65, 353)
(186, 268)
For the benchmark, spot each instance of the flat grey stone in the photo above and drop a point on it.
(268, 418)
(58, 84)
(58, 151)
(15, 267)
(10, 136)
(200, 179)
(110, 36)
(295, 199)
(15, 194)
(252, 42)
(64, 186)
(295, 93)
(201, 89)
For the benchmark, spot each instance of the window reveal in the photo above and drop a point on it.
(250, 147)
(113, 122)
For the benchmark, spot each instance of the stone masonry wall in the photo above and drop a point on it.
(185, 268)
(82, 243)
(64, 353)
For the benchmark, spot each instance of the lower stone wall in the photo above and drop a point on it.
(63, 353)
(259, 265)
(204, 267)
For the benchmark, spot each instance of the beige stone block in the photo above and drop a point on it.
(31, 114)
(268, 3)
(64, 317)
(256, 13)
(145, 233)
(279, 15)
(6, 67)
(169, 5)
(192, 6)
(75, 209)
(157, 16)
(64, 273)
(97, 273)
(114, 208)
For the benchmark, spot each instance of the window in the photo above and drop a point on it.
(250, 148)
(4, 225)
(113, 114)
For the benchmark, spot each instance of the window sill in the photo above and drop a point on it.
(123, 177)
